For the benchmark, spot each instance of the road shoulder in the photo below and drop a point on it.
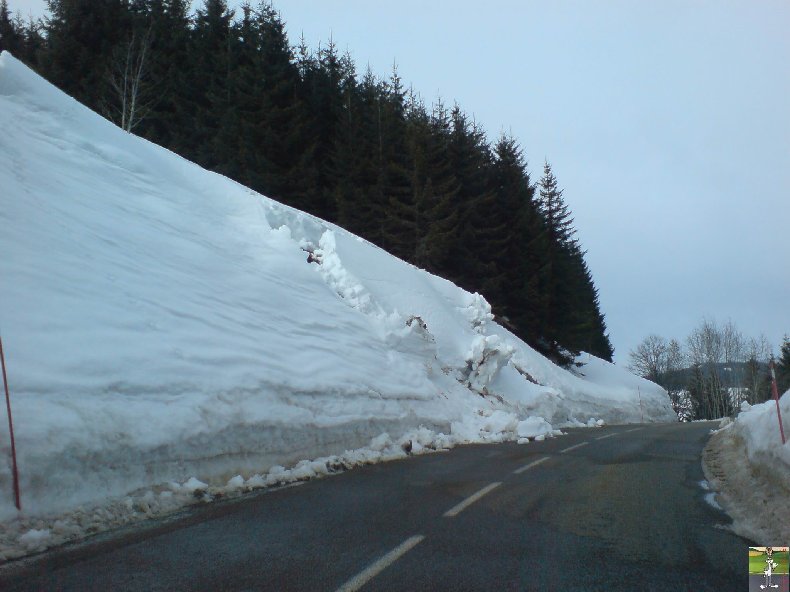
(757, 501)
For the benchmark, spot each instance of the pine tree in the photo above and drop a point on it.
(573, 320)
(522, 251)
(205, 108)
(169, 73)
(322, 95)
(10, 36)
(357, 161)
(81, 38)
(470, 159)
(396, 181)
(33, 42)
(435, 187)
(561, 244)
(233, 96)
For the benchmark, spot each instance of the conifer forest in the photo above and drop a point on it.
(230, 91)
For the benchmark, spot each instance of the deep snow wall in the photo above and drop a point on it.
(162, 322)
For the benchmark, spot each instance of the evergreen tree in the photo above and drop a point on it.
(322, 94)
(470, 159)
(300, 127)
(522, 252)
(358, 161)
(783, 367)
(395, 184)
(10, 36)
(81, 38)
(436, 188)
(572, 320)
(33, 42)
(166, 22)
(560, 247)
(209, 88)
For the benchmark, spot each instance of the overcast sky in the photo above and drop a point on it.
(667, 124)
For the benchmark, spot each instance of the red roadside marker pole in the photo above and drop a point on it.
(10, 430)
(775, 393)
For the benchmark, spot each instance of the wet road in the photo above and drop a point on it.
(616, 508)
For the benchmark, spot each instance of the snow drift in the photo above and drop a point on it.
(758, 428)
(749, 466)
(162, 322)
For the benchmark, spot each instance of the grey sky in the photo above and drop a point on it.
(667, 124)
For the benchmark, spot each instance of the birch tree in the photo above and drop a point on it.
(130, 98)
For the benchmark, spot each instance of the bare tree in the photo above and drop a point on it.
(734, 352)
(713, 351)
(660, 361)
(648, 360)
(719, 369)
(675, 362)
(733, 343)
(130, 98)
(758, 354)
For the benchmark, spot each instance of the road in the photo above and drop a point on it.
(615, 508)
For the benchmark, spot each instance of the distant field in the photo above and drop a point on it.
(757, 563)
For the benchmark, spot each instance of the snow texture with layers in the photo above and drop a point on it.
(162, 324)
(749, 467)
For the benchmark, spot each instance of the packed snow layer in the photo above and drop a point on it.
(749, 466)
(163, 323)
(758, 427)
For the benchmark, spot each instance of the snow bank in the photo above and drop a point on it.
(749, 466)
(163, 323)
(758, 428)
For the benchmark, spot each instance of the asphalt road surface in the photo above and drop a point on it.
(615, 508)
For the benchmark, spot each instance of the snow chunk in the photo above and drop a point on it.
(192, 485)
(533, 426)
(235, 483)
(35, 539)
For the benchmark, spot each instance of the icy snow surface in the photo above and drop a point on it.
(165, 335)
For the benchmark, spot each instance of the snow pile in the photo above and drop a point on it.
(758, 427)
(33, 534)
(163, 323)
(750, 467)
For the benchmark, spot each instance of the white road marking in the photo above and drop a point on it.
(471, 499)
(607, 436)
(574, 447)
(530, 465)
(635, 429)
(380, 565)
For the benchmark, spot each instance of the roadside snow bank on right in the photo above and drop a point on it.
(746, 462)
(758, 426)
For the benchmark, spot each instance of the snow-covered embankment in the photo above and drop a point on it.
(746, 462)
(165, 325)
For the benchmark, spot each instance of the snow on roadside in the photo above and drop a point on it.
(23, 536)
(748, 466)
(170, 333)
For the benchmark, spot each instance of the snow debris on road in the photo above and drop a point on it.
(172, 336)
(747, 465)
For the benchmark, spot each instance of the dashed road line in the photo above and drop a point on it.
(380, 565)
(607, 436)
(530, 465)
(574, 447)
(635, 429)
(454, 511)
